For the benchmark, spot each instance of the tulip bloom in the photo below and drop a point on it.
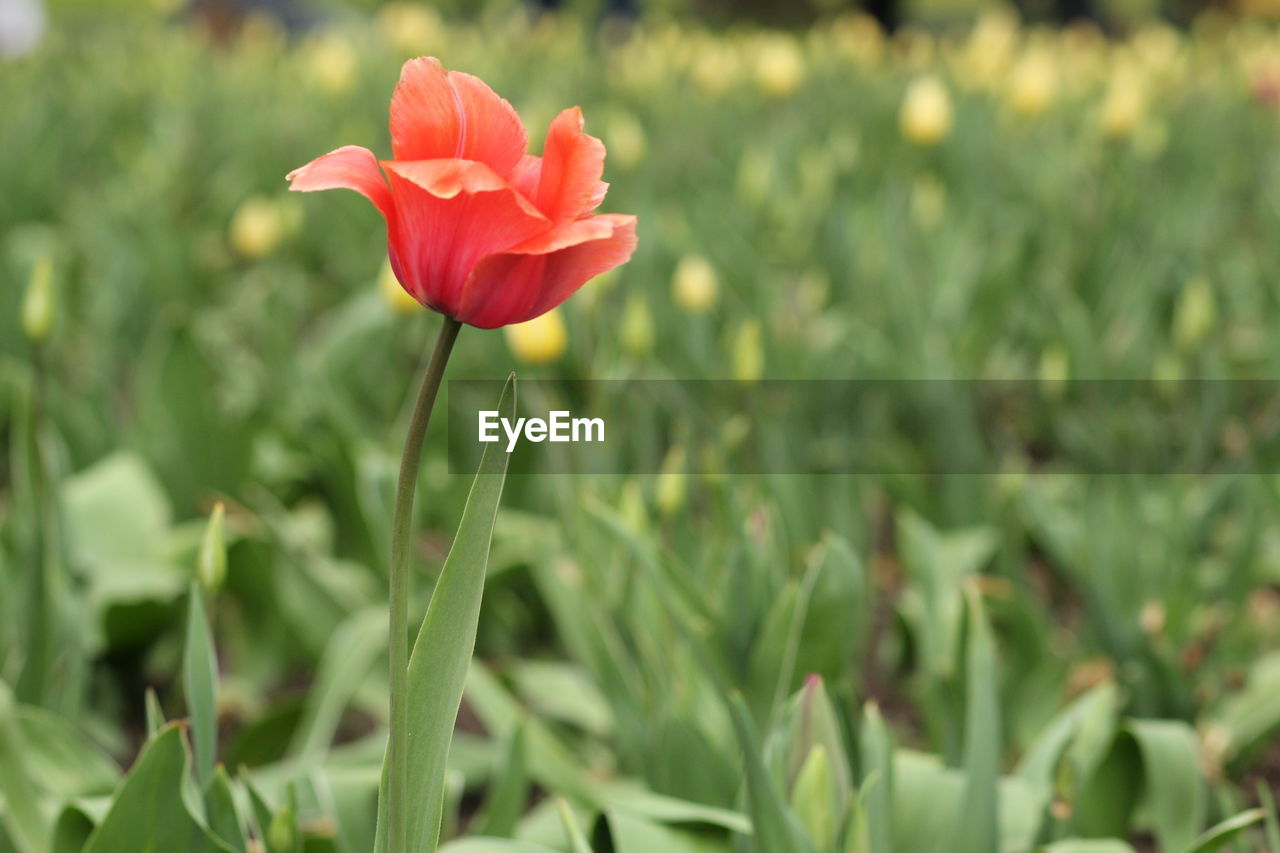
(477, 228)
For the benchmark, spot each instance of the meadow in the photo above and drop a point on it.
(1019, 658)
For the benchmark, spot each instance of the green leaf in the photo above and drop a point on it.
(577, 841)
(148, 813)
(1087, 846)
(631, 834)
(442, 652)
(1224, 833)
(979, 821)
(876, 747)
(200, 686)
(221, 811)
(493, 845)
(510, 789)
(776, 829)
(355, 647)
(1175, 794)
(22, 814)
(155, 714)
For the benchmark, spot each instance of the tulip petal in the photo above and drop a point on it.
(572, 163)
(350, 168)
(515, 286)
(438, 114)
(449, 215)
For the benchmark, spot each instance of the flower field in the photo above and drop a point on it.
(205, 383)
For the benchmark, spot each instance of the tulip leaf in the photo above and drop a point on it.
(441, 654)
(979, 820)
(200, 685)
(1218, 837)
(1175, 795)
(149, 812)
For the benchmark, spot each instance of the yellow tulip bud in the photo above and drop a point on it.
(541, 340)
(748, 352)
(1195, 314)
(211, 563)
(627, 142)
(928, 202)
(394, 294)
(779, 67)
(38, 304)
(671, 486)
(1055, 369)
(332, 64)
(1033, 84)
(411, 28)
(257, 228)
(637, 327)
(694, 285)
(926, 111)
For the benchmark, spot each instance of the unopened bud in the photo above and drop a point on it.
(38, 307)
(211, 565)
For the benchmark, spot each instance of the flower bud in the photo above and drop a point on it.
(257, 228)
(1055, 370)
(694, 285)
(637, 327)
(748, 352)
(211, 563)
(541, 340)
(928, 202)
(333, 65)
(627, 142)
(671, 487)
(411, 28)
(394, 294)
(813, 799)
(1033, 84)
(779, 67)
(1195, 314)
(38, 305)
(926, 111)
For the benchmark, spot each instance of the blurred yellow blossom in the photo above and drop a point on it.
(411, 28)
(39, 302)
(670, 488)
(1124, 103)
(780, 67)
(258, 227)
(394, 294)
(1033, 83)
(627, 142)
(541, 340)
(332, 64)
(990, 48)
(748, 352)
(637, 327)
(694, 285)
(926, 111)
(1195, 314)
(928, 201)
(715, 66)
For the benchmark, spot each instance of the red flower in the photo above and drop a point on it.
(477, 228)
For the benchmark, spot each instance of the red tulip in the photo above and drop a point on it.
(477, 228)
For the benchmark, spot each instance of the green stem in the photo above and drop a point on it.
(401, 524)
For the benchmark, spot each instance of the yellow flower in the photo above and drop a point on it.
(714, 68)
(627, 142)
(926, 111)
(928, 202)
(394, 294)
(670, 488)
(748, 352)
(990, 48)
(637, 327)
(1195, 314)
(1055, 370)
(332, 64)
(541, 340)
(694, 285)
(1033, 84)
(1123, 105)
(258, 227)
(38, 304)
(779, 67)
(411, 28)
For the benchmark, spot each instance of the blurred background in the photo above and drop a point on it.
(912, 190)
